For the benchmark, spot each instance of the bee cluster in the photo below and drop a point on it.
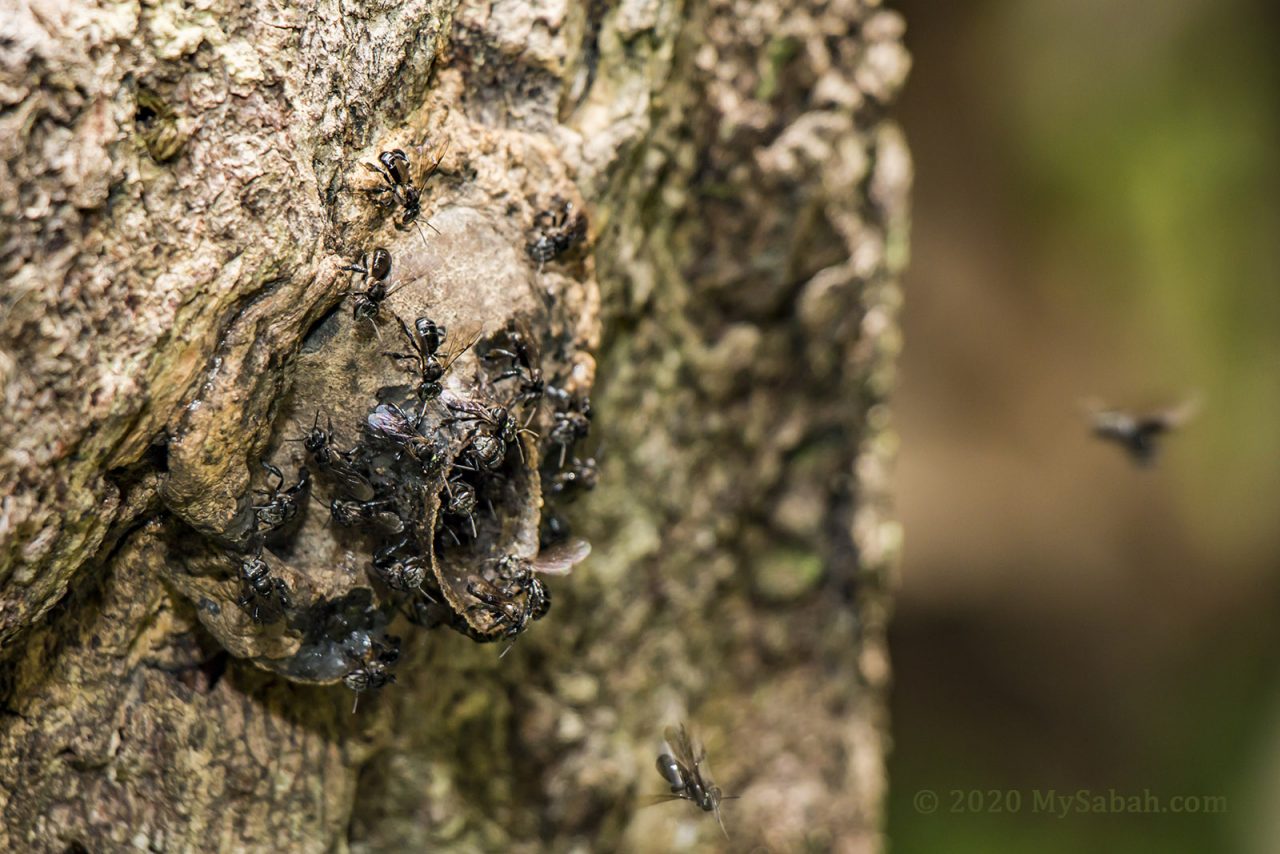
(428, 480)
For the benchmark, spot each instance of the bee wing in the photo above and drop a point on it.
(1180, 414)
(1115, 425)
(435, 161)
(654, 800)
(532, 344)
(391, 290)
(682, 747)
(465, 404)
(560, 559)
(1108, 423)
(461, 340)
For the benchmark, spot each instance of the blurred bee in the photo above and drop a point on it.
(578, 475)
(570, 425)
(461, 502)
(555, 231)
(525, 362)
(1137, 434)
(683, 770)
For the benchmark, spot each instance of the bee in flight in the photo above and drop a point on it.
(683, 769)
(1137, 433)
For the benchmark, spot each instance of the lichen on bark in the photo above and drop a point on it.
(179, 189)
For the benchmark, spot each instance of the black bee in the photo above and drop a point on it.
(429, 612)
(397, 174)
(556, 231)
(578, 475)
(427, 339)
(485, 451)
(683, 771)
(400, 572)
(525, 362)
(372, 668)
(281, 506)
(379, 514)
(461, 501)
(1137, 434)
(375, 268)
(495, 422)
(390, 426)
(338, 465)
(515, 576)
(554, 530)
(569, 426)
(263, 596)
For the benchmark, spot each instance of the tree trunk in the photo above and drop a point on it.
(182, 187)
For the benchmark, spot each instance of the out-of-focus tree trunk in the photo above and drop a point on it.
(179, 188)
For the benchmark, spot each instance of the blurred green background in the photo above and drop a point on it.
(1096, 214)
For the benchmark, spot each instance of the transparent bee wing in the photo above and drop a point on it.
(562, 558)
(1182, 413)
(682, 746)
(654, 800)
(459, 341)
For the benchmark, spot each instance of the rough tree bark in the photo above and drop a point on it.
(180, 185)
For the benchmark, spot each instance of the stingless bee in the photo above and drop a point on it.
(1137, 433)
(263, 596)
(399, 187)
(282, 504)
(683, 769)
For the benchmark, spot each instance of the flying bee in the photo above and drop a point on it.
(683, 770)
(375, 268)
(525, 362)
(372, 668)
(379, 515)
(338, 465)
(402, 573)
(282, 505)
(1137, 434)
(556, 230)
(399, 187)
(263, 596)
(433, 353)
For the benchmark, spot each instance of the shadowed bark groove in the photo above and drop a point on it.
(180, 188)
